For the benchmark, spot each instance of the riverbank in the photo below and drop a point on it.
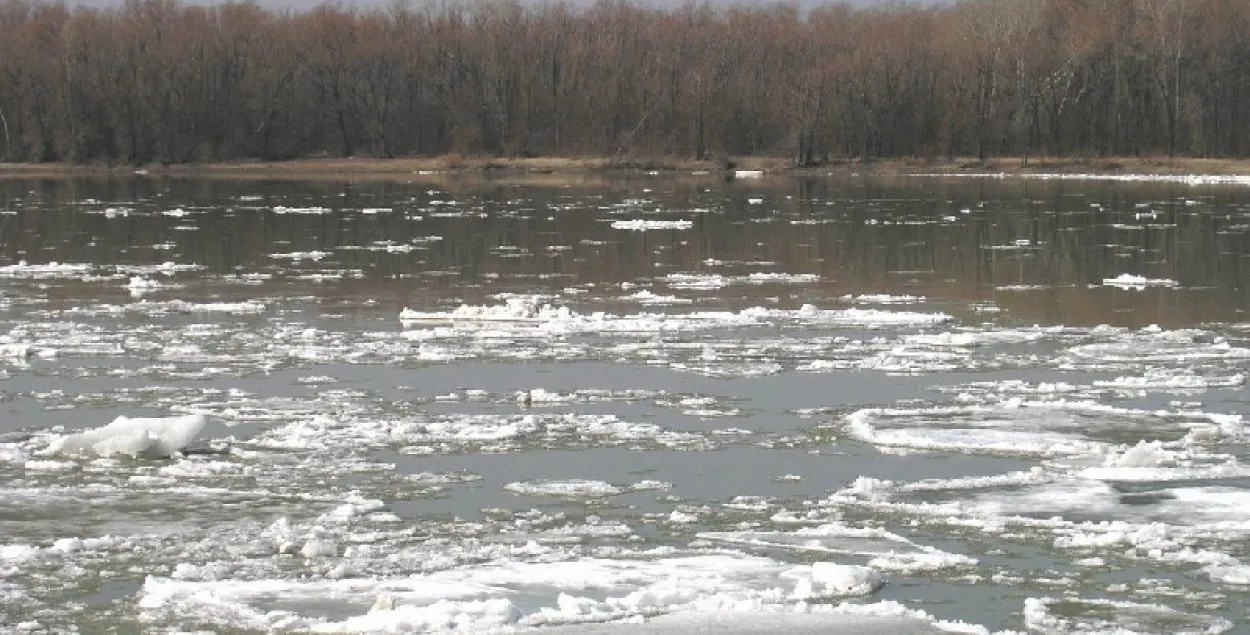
(454, 165)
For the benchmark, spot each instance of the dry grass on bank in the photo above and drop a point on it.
(575, 168)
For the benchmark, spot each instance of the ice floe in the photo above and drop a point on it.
(1168, 380)
(883, 298)
(1050, 615)
(1062, 428)
(571, 488)
(532, 315)
(641, 225)
(316, 210)
(45, 271)
(1132, 282)
(883, 550)
(696, 281)
(520, 595)
(141, 437)
(140, 286)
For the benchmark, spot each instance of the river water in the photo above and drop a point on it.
(653, 404)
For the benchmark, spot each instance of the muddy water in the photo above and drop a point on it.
(881, 405)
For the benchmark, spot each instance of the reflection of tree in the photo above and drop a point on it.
(860, 236)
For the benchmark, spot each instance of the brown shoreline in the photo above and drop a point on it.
(572, 167)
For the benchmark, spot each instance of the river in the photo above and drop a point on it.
(647, 404)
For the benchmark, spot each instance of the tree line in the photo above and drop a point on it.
(156, 80)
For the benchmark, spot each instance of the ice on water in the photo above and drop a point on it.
(522, 595)
(139, 437)
(708, 443)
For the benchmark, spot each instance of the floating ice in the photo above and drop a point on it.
(981, 337)
(1048, 615)
(1165, 380)
(1136, 283)
(883, 298)
(881, 618)
(18, 552)
(648, 298)
(828, 579)
(575, 488)
(1066, 498)
(12, 453)
(530, 315)
(51, 270)
(1045, 428)
(1091, 498)
(889, 551)
(17, 352)
(297, 256)
(1238, 574)
(181, 306)
(280, 209)
(640, 225)
(520, 594)
(139, 286)
(167, 268)
(1017, 245)
(1144, 454)
(1129, 351)
(698, 281)
(155, 437)
(787, 278)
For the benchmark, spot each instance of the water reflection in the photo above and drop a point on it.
(1038, 250)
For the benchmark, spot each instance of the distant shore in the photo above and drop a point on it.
(449, 166)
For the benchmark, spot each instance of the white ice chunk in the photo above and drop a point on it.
(147, 437)
(575, 488)
(12, 453)
(1049, 428)
(882, 298)
(319, 548)
(1144, 454)
(828, 579)
(281, 209)
(1238, 574)
(1166, 380)
(640, 225)
(1131, 282)
(529, 315)
(494, 595)
(51, 270)
(18, 553)
(297, 256)
(651, 299)
(140, 285)
(1108, 616)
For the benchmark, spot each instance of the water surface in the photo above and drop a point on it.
(885, 405)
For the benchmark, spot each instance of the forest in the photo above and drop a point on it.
(162, 81)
